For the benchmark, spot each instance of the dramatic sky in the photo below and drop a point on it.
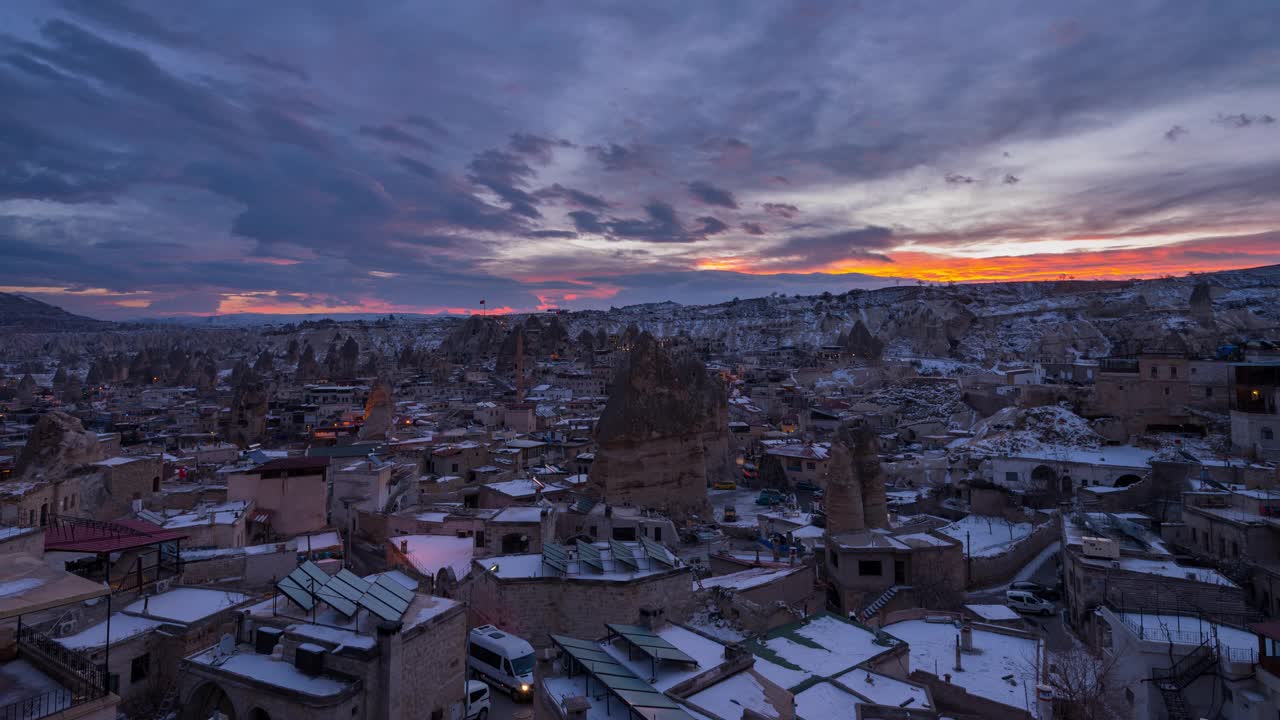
(162, 158)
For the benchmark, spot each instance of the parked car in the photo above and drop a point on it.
(1026, 602)
(477, 700)
(769, 496)
(1041, 591)
(725, 485)
(808, 486)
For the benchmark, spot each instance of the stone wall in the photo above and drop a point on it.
(433, 666)
(534, 608)
(957, 702)
(995, 569)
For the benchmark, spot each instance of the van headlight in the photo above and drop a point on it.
(524, 687)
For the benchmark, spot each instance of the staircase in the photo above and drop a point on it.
(870, 611)
(1171, 681)
(1174, 702)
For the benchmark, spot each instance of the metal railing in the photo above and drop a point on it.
(84, 679)
(42, 705)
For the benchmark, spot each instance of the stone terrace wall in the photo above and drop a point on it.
(534, 608)
(996, 569)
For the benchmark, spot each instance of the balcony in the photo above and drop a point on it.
(47, 680)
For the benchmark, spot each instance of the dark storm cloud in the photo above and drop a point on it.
(536, 146)
(394, 135)
(782, 210)
(711, 225)
(712, 195)
(263, 119)
(427, 123)
(576, 197)
(506, 174)
(586, 222)
(807, 251)
(620, 158)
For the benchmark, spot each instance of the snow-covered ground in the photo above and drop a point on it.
(985, 536)
(1004, 670)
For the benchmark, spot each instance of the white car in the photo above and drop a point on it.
(1026, 602)
(477, 700)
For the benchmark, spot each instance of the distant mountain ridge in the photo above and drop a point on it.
(24, 314)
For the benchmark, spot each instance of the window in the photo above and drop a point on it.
(834, 557)
(1235, 548)
(479, 538)
(869, 568)
(1166, 391)
(810, 466)
(140, 667)
(1193, 534)
(455, 467)
(657, 534)
(1011, 477)
(1154, 371)
(1268, 434)
(1173, 371)
(1208, 392)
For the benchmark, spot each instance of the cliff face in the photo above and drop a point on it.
(663, 433)
(377, 412)
(58, 444)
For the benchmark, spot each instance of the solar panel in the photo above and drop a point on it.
(335, 600)
(395, 588)
(584, 505)
(392, 601)
(556, 556)
(340, 586)
(353, 580)
(650, 644)
(379, 608)
(296, 593)
(315, 573)
(589, 554)
(657, 551)
(622, 553)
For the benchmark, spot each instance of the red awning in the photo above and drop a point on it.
(90, 536)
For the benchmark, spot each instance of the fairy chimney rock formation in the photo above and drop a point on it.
(57, 445)
(663, 433)
(377, 412)
(855, 498)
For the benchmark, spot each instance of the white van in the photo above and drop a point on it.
(1026, 602)
(477, 700)
(502, 659)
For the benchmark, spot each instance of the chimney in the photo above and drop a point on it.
(404, 546)
(576, 708)
(1044, 702)
(966, 635)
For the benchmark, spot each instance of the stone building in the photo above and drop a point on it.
(293, 493)
(286, 663)
(530, 597)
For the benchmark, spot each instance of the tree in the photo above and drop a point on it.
(1082, 683)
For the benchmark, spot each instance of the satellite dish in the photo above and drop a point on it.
(227, 645)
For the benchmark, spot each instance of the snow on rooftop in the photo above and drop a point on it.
(885, 690)
(1185, 630)
(747, 579)
(984, 536)
(186, 605)
(932, 647)
(823, 645)
(730, 696)
(521, 487)
(824, 701)
(261, 668)
(519, 514)
(1168, 568)
(337, 637)
(994, 612)
(429, 553)
(123, 627)
(709, 653)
